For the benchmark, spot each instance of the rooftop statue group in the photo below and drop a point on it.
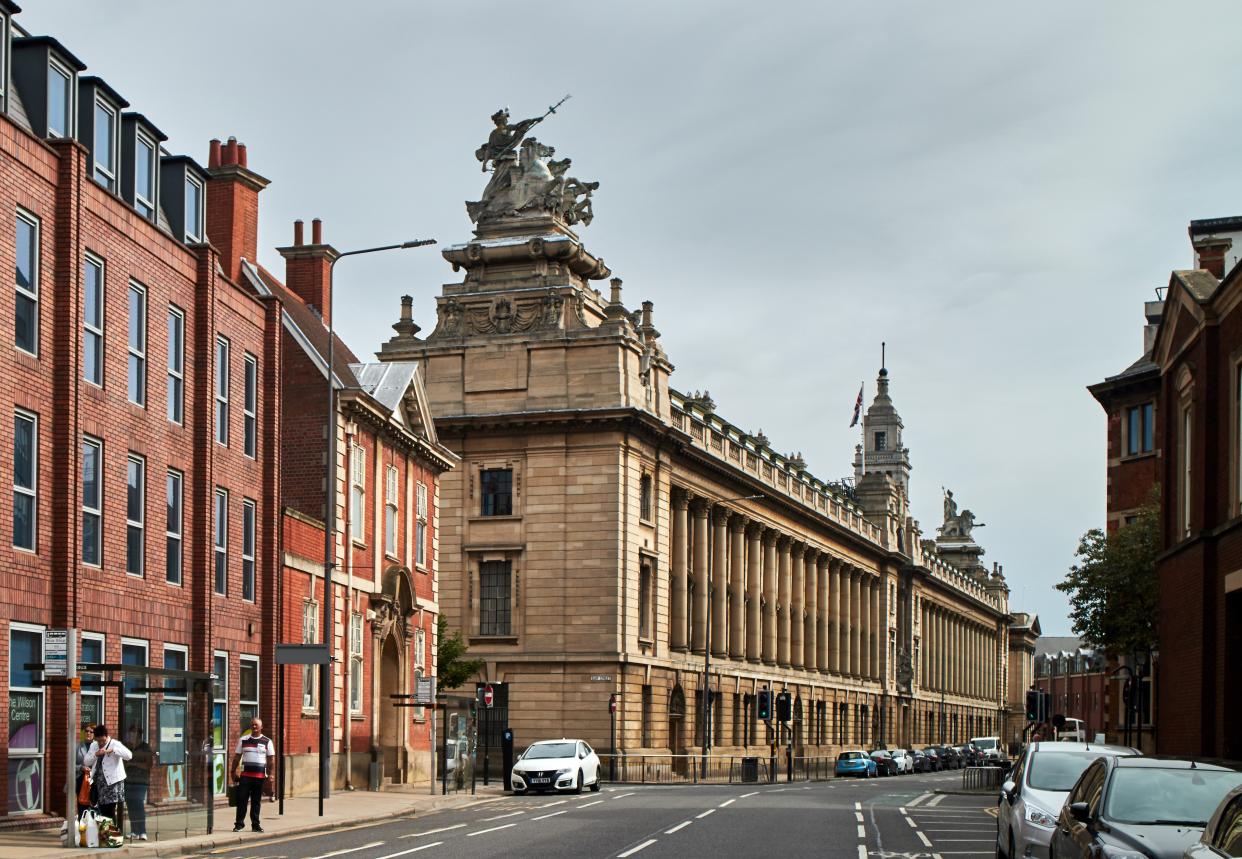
(525, 178)
(957, 524)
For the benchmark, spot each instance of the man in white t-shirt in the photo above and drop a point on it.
(253, 758)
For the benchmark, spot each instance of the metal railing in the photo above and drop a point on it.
(981, 778)
(721, 769)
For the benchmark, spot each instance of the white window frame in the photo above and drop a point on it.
(95, 331)
(224, 353)
(355, 663)
(392, 490)
(109, 171)
(176, 370)
(31, 491)
(137, 352)
(176, 535)
(36, 275)
(243, 661)
(250, 516)
(39, 753)
(96, 692)
(139, 199)
(420, 526)
(141, 523)
(310, 673)
(184, 651)
(195, 236)
(220, 541)
(250, 406)
(97, 511)
(71, 98)
(358, 493)
(224, 684)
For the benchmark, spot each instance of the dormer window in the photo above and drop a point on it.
(145, 151)
(59, 100)
(193, 210)
(105, 144)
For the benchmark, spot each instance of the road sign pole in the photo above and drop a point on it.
(71, 729)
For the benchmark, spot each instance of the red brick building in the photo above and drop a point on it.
(140, 390)
(1199, 352)
(387, 492)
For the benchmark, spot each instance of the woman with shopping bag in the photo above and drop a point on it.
(106, 758)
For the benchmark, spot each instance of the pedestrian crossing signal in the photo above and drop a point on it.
(764, 706)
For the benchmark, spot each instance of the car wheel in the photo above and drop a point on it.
(578, 786)
(595, 784)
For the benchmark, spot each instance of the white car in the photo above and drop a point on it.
(556, 765)
(905, 761)
(1029, 802)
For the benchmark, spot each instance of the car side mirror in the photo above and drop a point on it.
(1080, 812)
(1010, 790)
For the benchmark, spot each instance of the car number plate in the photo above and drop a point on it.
(540, 780)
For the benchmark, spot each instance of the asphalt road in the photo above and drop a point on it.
(893, 818)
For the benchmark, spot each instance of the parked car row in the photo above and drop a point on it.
(1071, 800)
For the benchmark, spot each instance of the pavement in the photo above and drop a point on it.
(343, 810)
(893, 818)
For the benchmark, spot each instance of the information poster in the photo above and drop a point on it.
(172, 732)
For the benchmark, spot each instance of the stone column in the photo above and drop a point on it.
(855, 622)
(810, 641)
(754, 591)
(720, 582)
(834, 620)
(797, 604)
(681, 559)
(957, 654)
(784, 583)
(937, 667)
(823, 609)
(698, 624)
(769, 596)
(879, 639)
(737, 587)
(864, 621)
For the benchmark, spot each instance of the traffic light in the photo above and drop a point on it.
(764, 707)
(1032, 705)
(784, 707)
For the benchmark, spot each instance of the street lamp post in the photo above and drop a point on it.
(707, 649)
(329, 529)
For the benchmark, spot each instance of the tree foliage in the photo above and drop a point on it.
(1113, 587)
(453, 667)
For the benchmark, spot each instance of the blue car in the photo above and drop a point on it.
(855, 762)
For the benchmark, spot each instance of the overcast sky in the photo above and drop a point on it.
(993, 188)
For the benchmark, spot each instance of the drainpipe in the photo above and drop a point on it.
(347, 739)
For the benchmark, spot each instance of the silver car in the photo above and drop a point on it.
(1032, 797)
(1223, 835)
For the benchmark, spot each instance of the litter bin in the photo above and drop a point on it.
(750, 770)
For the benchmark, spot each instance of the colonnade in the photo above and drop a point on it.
(772, 597)
(958, 655)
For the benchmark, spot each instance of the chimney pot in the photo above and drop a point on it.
(407, 308)
(213, 155)
(615, 297)
(317, 232)
(647, 308)
(241, 154)
(297, 232)
(230, 151)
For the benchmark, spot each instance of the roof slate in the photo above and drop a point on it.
(311, 325)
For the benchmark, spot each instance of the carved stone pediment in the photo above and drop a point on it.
(503, 314)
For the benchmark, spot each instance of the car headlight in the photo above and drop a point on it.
(1036, 815)
(1123, 853)
(564, 772)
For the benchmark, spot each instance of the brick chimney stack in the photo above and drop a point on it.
(308, 268)
(1210, 253)
(233, 205)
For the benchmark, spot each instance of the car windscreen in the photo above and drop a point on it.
(1056, 770)
(985, 743)
(550, 750)
(850, 756)
(1169, 797)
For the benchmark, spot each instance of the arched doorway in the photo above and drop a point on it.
(391, 740)
(677, 727)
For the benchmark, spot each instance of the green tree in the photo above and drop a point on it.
(452, 665)
(1113, 587)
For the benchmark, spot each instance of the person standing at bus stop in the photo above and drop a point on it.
(255, 754)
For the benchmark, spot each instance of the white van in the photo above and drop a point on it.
(1073, 732)
(993, 753)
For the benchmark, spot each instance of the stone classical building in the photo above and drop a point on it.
(606, 534)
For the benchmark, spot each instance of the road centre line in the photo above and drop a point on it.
(623, 795)
(550, 804)
(704, 814)
(634, 850)
(858, 806)
(348, 850)
(747, 795)
(501, 816)
(550, 814)
(589, 804)
(923, 838)
(862, 851)
(434, 831)
(412, 850)
(858, 816)
(965, 840)
(727, 802)
(493, 829)
(678, 827)
(862, 831)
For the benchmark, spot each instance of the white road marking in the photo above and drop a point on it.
(752, 793)
(862, 831)
(348, 850)
(412, 850)
(550, 814)
(501, 816)
(923, 838)
(970, 840)
(678, 827)
(704, 814)
(858, 816)
(862, 851)
(917, 800)
(434, 831)
(913, 825)
(493, 829)
(550, 804)
(727, 802)
(939, 799)
(623, 795)
(589, 804)
(858, 806)
(634, 850)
